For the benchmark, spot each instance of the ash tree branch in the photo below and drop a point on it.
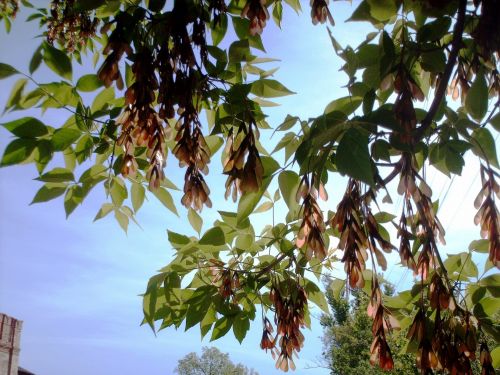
(445, 77)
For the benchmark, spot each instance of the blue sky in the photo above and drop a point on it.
(75, 283)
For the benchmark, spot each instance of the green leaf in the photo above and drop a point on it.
(198, 309)
(36, 59)
(49, 191)
(74, 196)
(214, 143)
(383, 10)
(122, 219)
(346, 105)
(177, 239)
(165, 198)
(249, 201)
(57, 175)
(269, 88)
(491, 305)
(434, 30)
(288, 123)
(89, 4)
(138, 193)
(103, 99)
(434, 61)
(353, 158)
(16, 93)
(214, 236)
(337, 286)
(266, 206)
(219, 30)
(495, 121)
(221, 327)
(6, 70)
(481, 246)
(241, 27)
(195, 220)
(88, 83)
(484, 145)
(104, 211)
(495, 356)
(17, 151)
(241, 325)
(118, 191)
(315, 295)
(42, 154)
(239, 51)
(96, 172)
(476, 101)
(207, 322)
(384, 217)
(64, 137)
(492, 280)
(289, 182)
(58, 61)
(26, 127)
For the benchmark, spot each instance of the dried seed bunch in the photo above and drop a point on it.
(289, 310)
(405, 236)
(426, 358)
(242, 162)
(68, 26)
(192, 151)
(375, 238)
(256, 11)
(9, 8)
(312, 228)
(455, 342)
(171, 71)
(439, 295)
(320, 12)
(383, 322)
(141, 125)
(407, 90)
(348, 220)
(459, 85)
(229, 280)
(267, 341)
(426, 222)
(118, 44)
(487, 215)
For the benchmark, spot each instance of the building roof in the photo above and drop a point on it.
(23, 371)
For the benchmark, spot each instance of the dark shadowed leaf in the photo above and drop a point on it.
(17, 151)
(49, 191)
(353, 157)
(26, 127)
(58, 61)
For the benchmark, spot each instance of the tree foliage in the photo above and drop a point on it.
(211, 362)
(160, 65)
(348, 336)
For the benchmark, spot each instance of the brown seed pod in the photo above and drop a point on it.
(320, 12)
(256, 11)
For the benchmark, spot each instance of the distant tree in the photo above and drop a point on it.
(348, 337)
(211, 362)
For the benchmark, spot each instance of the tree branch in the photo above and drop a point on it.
(445, 77)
